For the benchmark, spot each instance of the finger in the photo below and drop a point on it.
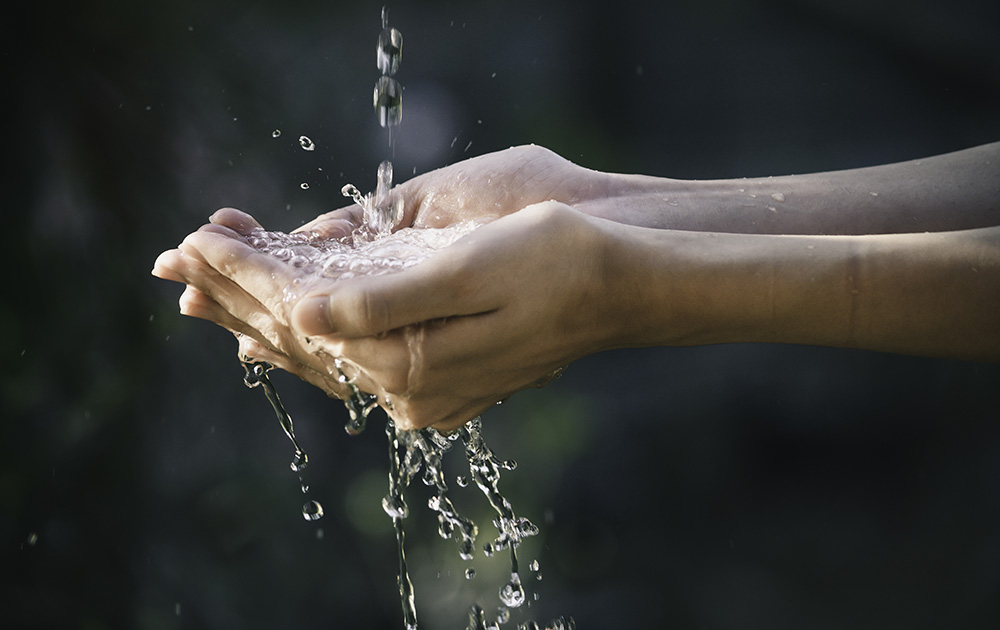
(235, 219)
(166, 265)
(444, 285)
(261, 276)
(336, 224)
(194, 303)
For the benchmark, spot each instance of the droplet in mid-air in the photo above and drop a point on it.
(512, 593)
(389, 51)
(312, 511)
(388, 101)
(276, 133)
(306, 143)
(299, 461)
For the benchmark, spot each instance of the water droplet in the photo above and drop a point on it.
(778, 197)
(312, 511)
(306, 143)
(470, 573)
(462, 481)
(388, 101)
(395, 506)
(389, 51)
(299, 462)
(304, 186)
(534, 565)
(503, 614)
(512, 593)
(276, 133)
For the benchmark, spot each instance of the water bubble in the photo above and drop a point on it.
(388, 101)
(312, 511)
(534, 565)
(276, 133)
(503, 614)
(462, 481)
(470, 573)
(306, 143)
(304, 185)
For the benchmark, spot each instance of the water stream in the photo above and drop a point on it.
(374, 249)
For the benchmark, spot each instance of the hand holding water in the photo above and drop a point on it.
(552, 280)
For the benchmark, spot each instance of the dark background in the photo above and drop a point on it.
(143, 486)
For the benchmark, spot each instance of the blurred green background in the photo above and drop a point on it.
(143, 486)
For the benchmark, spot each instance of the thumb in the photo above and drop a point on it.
(360, 307)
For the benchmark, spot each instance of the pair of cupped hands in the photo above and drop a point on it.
(502, 309)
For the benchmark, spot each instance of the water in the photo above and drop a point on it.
(388, 101)
(374, 249)
(256, 376)
(388, 94)
(389, 51)
(363, 253)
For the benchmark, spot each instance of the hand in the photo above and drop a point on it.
(469, 326)
(231, 284)
(484, 188)
(234, 286)
(450, 337)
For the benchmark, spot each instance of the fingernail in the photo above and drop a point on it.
(312, 315)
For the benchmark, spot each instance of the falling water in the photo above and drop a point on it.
(256, 375)
(374, 249)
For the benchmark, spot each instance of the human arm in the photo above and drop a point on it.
(477, 322)
(539, 287)
(953, 191)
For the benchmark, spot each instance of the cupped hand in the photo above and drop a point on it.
(480, 188)
(232, 284)
(501, 310)
(415, 358)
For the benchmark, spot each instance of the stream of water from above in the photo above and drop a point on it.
(375, 249)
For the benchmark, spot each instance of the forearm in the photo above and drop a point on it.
(955, 191)
(930, 294)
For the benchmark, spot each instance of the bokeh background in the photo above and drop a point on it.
(747, 486)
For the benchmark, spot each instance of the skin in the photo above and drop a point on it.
(577, 261)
